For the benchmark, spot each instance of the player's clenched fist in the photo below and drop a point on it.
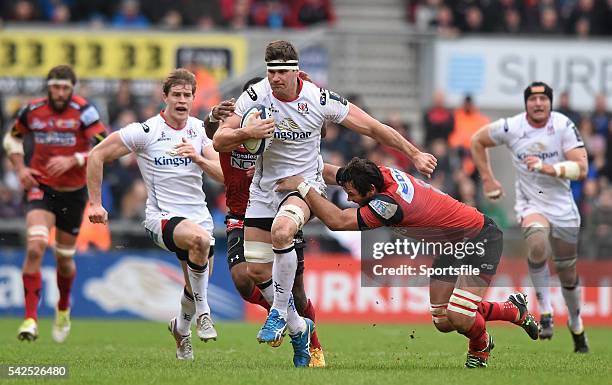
(492, 189)
(425, 163)
(97, 214)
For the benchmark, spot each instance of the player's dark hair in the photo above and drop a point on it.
(362, 174)
(254, 80)
(179, 76)
(64, 72)
(538, 88)
(281, 50)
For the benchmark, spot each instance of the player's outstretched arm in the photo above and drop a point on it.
(108, 150)
(480, 142)
(230, 136)
(359, 121)
(332, 216)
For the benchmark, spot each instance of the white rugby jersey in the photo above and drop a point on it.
(296, 148)
(174, 183)
(550, 195)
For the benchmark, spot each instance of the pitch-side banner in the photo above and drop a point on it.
(143, 284)
(130, 55)
(497, 70)
(334, 286)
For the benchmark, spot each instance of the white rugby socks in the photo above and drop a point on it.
(573, 296)
(283, 275)
(540, 277)
(188, 309)
(198, 277)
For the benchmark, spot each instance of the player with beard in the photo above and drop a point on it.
(64, 126)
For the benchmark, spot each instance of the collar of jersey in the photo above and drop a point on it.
(161, 113)
(299, 90)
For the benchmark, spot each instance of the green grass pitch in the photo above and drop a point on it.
(140, 352)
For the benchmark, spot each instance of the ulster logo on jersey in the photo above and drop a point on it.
(302, 108)
(191, 133)
(163, 137)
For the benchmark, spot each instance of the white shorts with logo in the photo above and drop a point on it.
(564, 227)
(265, 204)
(153, 226)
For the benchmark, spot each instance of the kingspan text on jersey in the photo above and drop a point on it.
(167, 161)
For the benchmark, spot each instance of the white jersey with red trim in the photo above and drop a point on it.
(296, 147)
(174, 183)
(537, 192)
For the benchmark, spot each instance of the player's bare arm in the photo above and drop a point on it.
(210, 164)
(575, 167)
(13, 146)
(110, 149)
(332, 216)
(219, 113)
(481, 141)
(230, 136)
(359, 121)
(329, 173)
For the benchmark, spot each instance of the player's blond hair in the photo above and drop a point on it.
(281, 50)
(179, 76)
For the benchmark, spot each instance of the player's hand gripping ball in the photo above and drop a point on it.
(258, 145)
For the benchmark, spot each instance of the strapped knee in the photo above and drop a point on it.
(258, 252)
(438, 312)
(464, 302)
(38, 233)
(63, 251)
(565, 263)
(535, 228)
(293, 212)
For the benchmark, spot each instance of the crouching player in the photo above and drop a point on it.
(392, 198)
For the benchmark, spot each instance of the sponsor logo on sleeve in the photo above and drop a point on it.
(251, 92)
(385, 209)
(145, 128)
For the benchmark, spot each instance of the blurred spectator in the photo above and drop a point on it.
(438, 119)
(425, 13)
(566, 109)
(601, 116)
(468, 119)
(600, 226)
(129, 16)
(235, 13)
(172, 20)
(10, 203)
(123, 100)
(400, 159)
(473, 22)
(512, 22)
(268, 13)
(584, 18)
(445, 22)
(23, 11)
(443, 176)
(549, 22)
(134, 201)
(311, 12)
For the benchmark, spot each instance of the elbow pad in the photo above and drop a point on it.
(567, 170)
(12, 145)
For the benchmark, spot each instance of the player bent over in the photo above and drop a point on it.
(547, 152)
(172, 152)
(63, 126)
(237, 179)
(389, 197)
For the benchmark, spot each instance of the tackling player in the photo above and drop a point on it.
(172, 152)
(64, 126)
(236, 166)
(299, 110)
(547, 152)
(392, 198)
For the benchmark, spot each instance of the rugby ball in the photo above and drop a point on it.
(256, 146)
